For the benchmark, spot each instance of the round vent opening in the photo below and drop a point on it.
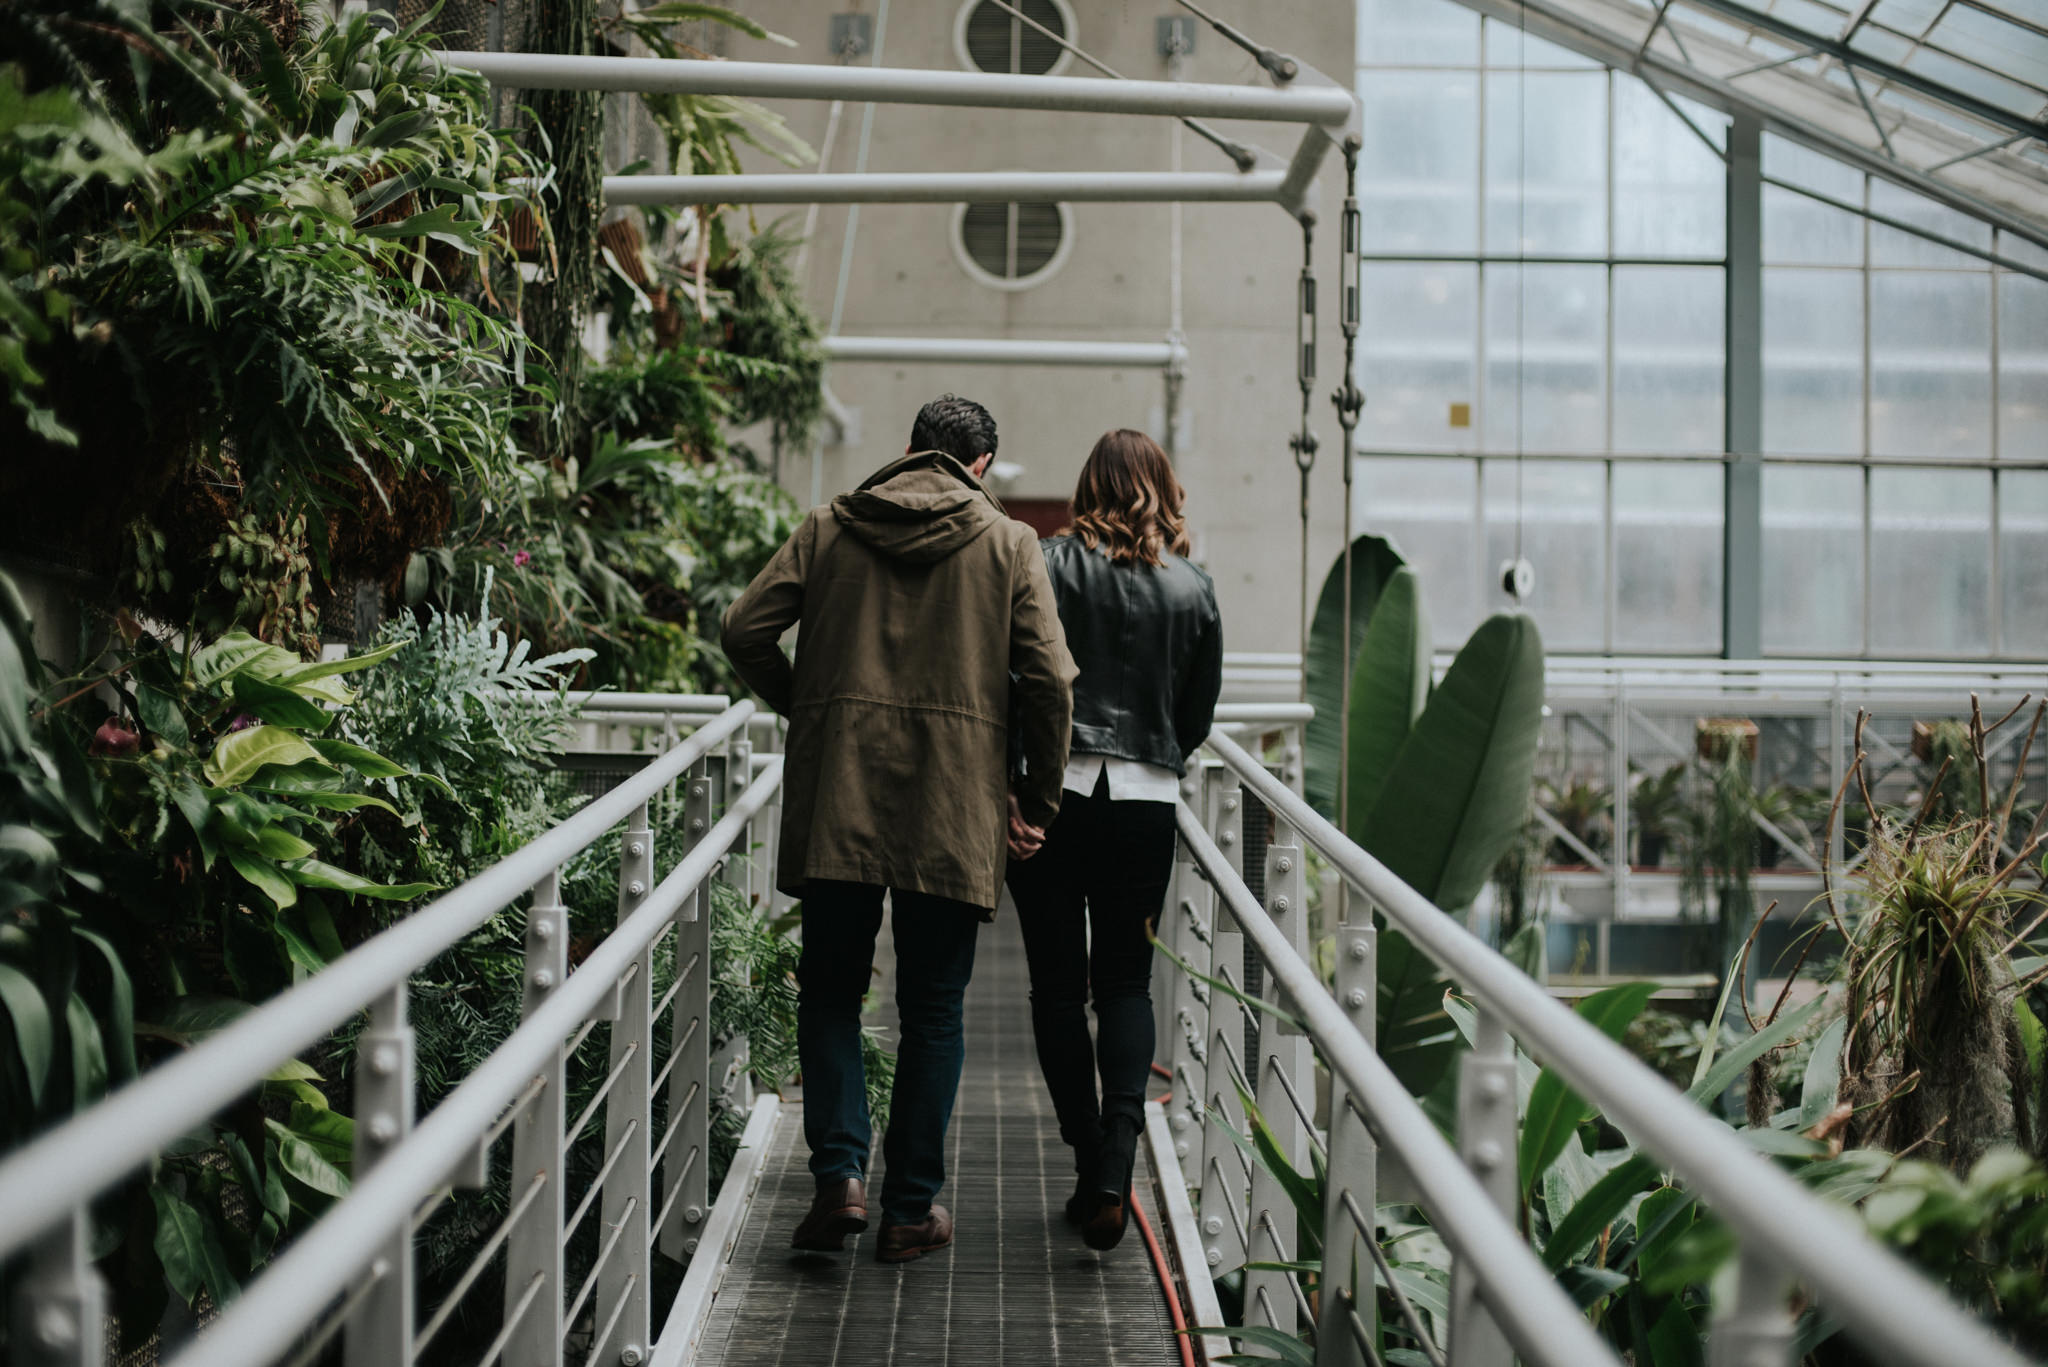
(990, 38)
(1012, 246)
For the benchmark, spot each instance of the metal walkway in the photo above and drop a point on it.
(1018, 1286)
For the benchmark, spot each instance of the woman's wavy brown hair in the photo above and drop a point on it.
(1128, 501)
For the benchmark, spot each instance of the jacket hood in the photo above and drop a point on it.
(920, 508)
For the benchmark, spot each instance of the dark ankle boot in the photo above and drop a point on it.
(1104, 1227)
(1082, 1203)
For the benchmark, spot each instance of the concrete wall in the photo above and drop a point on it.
(1238, 282)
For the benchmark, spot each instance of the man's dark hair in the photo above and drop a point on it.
(960, 427)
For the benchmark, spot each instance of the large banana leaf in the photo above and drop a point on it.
(1373, 562)
(1458, 792)
(1389, 686)
(1416, 1036)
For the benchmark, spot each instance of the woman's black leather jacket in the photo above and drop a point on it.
(1149, 643)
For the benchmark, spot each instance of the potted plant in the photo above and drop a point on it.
(1582, 805)
(1654, 812)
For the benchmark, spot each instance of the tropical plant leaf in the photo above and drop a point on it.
(301, 1158)
(278, 705)
(368, 763)
(1526, 948)
(1458, 792)
(190, 1249)
(194, 1017)
(1284, 1347)
(237, 756)
(1373, 561)
(88, 1053)
(265, 877)
(1416, 1037)
(1555, 1110)
(1389, 685)
(120, 1011)
(1730, 1065)
(1587, 1284)
(1573, 1231)
(313, 873)
(1824, 1073)
(28, 1016)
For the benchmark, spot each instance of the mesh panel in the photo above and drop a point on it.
(1258, 830)
(998, 42)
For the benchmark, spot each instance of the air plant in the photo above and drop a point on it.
(1934, 1051)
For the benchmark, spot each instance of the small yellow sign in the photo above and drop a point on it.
(1461, 415)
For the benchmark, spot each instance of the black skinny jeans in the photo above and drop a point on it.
(1084, 901)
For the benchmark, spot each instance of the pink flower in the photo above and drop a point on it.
(519, 559)
(115, 740)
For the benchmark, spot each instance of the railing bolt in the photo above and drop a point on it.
(1486, 1156)
(1212, 1225)
(1355, 999)
(1285, 864)
(693, 1214)
(1180, 1122)
(690, 1247)
(697, 825)
(1358, 950)
(55, 1328)
(1227, 839)
(631, 1356)
(544, 979)
(1215, 1257)
(636, 847)
(1230, 803)
(1180, 1148)
(1280, 903)
(636, 887)
(697, 790)
(383, 1129)
(384, 1060)
(544, 929)
(1493, 1087)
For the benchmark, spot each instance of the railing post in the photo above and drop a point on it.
(1224, 1181)
(686, 1157)
(1757, 1329)
(1486, 1141)
(623, 1323)
(60, 1307)
(1347, 1276)
(729, 1070)
(1285, 1078)
(1190, 920)
(534, 1249)
(380, 1328)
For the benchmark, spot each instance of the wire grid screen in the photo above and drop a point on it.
(1258, 831)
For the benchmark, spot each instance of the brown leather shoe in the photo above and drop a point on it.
(839, 1209)
(901, 1243)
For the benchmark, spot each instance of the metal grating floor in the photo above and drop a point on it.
(1017, 1287)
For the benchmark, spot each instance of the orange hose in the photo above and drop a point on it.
(1159, 1265)
(1185, 1340)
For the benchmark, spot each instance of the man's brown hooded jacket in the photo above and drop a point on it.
(929, 630)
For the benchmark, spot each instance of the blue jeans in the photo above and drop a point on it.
(934, 960)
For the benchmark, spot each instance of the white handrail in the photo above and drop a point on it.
(43, 1182)
(268, 1317)
(1524, 1298)
(1877, 1298)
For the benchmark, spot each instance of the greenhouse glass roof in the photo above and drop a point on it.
(1948, 97)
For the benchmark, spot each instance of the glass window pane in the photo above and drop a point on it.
(1419, 356)
(1813, 362)
(1546, 162)
(1417, 33)
(1429, 507)
(2022, 368)
(1890, 247)
(1507, 45)
(1560, 508)
(1667, 556)
(1805, 232)
(1930, 364)
(1669, 188)
(1546, 377)
(1813, 560)
(1930, 562)
(1419, 168)
(2023, 562)
(1667, 358)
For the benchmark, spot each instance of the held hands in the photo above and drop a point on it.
(1025, 839)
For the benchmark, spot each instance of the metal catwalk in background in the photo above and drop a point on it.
(1017, 1287)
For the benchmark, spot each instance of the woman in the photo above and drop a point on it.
(1142, 625)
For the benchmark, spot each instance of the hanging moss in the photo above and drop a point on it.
(567, 128)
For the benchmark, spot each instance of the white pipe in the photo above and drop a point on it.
(949, 187)
(1002, 351)
(1302, 102)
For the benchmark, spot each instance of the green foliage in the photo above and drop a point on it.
(1373, 562)
(1390, 688)
(1985, 1234)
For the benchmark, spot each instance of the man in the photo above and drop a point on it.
(929, 633)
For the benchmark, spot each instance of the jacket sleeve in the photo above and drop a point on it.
(770, 605)
(1042, 687)
(1194, 703)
